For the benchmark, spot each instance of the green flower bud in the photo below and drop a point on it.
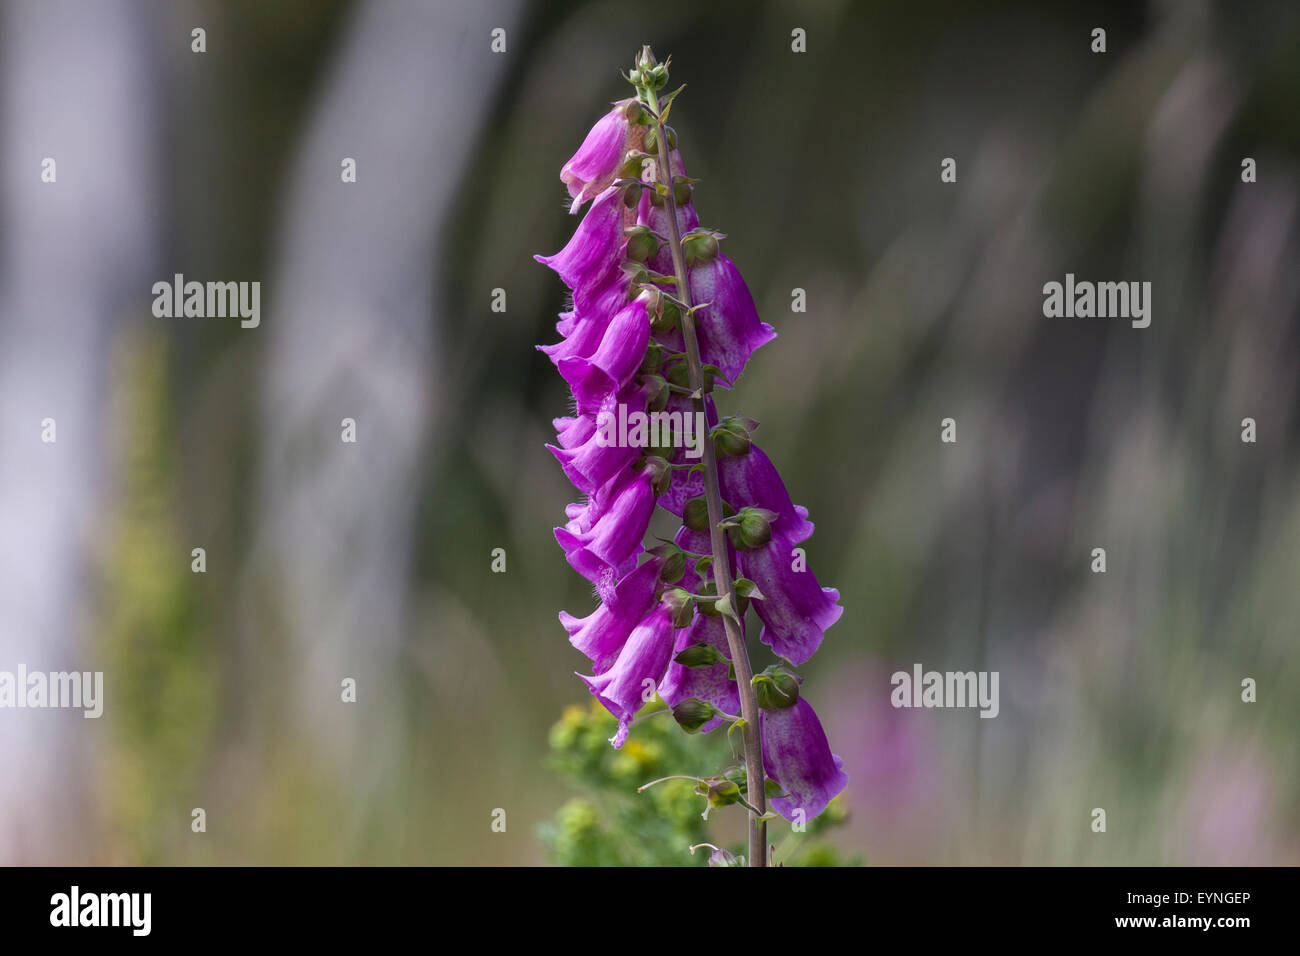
(661, 473)
(695, 514)
(752, 528)
(633, 165)
(776, 688)
(700, 245)
(659, 399)
(642, 244)
(679, 375)
(680, 602)
(665, 452)
(668, 318)
(709, 607)
(674, 565)
(652, 361)
(731, 438)
(692, 713)
(681, 191)
(723, 793)
(698, 655)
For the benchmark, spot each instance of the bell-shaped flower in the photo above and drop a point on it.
(586, 454)
(600, 157)
(583, 331)
(593, 252)
(797, 755)
(611, 366)
(795, 609)
(644, 657)
(752, 480)
(730, 330)
(601, 634)
(573, 432)
(606, 548)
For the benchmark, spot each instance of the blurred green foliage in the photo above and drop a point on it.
(613, 825)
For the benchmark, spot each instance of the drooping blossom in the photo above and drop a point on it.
(796, 610)
(592, 168)
(644, 656)
(602, 634)
(603, 542)
(798, 757)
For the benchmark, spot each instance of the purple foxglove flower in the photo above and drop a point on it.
(644, 656)
(593, 251)
(705, 683)
(568, 322)
(606, 549)
(685, 484)
(593, 463)
(729, 327)
(607, 359)
(574, 432)
(583, 331)
(796, 610)
(614, 362)
(602, 634)
(589, 462)
(753, 480)
(797, 755)
(597, 162)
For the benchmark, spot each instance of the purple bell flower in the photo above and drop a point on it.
(606, 543)
(593, 167)
(611, 366)
(730, 330)
(797, 755)
(796, 610)
(644, 657)
(602, 634)
(592, 253)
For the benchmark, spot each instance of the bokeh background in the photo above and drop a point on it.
(328, 560)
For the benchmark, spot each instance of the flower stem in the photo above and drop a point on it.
(713, 498)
